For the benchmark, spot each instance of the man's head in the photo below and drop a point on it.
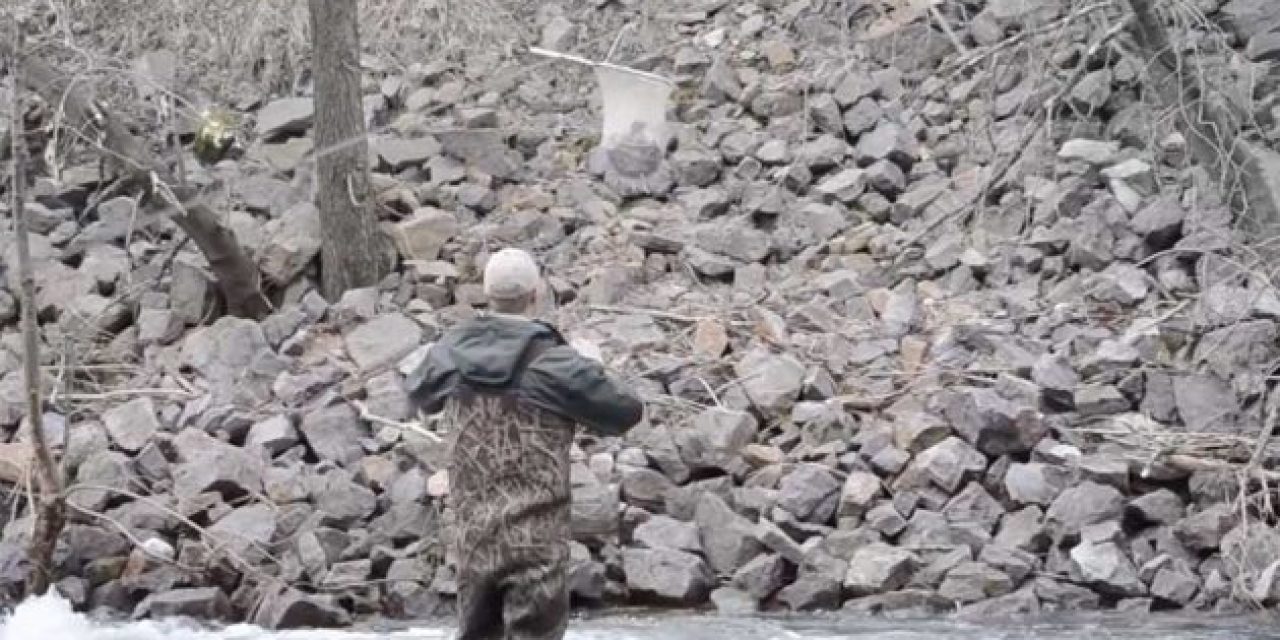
(511, 281)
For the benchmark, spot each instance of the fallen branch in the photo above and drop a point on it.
(49, 505)
(237, 274)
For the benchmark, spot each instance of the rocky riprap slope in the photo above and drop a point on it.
(856, 397)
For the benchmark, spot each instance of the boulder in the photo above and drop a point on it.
(1107, 568)
(667, 575)
(334, 433)
(716, 439)
(974, 581)
(382, 341)
(728, 539)
(879, 568)
(1035, 482)
(992, 424)
(810, 493)
(1085, 504)
(665, 532)
(131, 424)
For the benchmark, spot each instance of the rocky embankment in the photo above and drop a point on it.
(875, 379)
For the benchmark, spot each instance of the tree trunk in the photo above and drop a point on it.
(237, 274)
(49, 506)
(353, 253)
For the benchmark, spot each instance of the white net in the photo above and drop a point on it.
(634, 132)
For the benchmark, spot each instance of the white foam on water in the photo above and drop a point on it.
(51, 617)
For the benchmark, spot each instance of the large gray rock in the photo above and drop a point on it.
(1206, 402)
(201, 603)
(107, 469)
(762, 577)
(291, 242)
(285, 116)
(422, 235)
(974, 581)
(1024, 530)
(974, 506)
(1160, 507)
(728, 539)
(879, 568)
(246, 532)
(1107, 567)
(667, 575)
(383, 341)
(811, 592)
(772, 382)
(1204, 530)
(341, 501)
(132, 424)
(950, 463)
(665, 532)
(334, 433)
(716, 438)
(1035, 482)
(207, 464)
(858, 494)
(810, 492)
(993, 424)
(646, 488)
(1085, 504)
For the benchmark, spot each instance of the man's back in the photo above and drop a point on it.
(511, 391)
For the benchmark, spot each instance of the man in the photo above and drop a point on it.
(512, 389)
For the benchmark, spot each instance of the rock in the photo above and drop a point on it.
(1100, 399)
(1016, 563)
(773, 537)
(762, 577)
(665, 532)
(1021, 603)
(732, 601)
(736, 241)
(206, 464)
(334, 433)
(844, 187)
(1176, 582)
(859, 492)
(811, 592)
(974, 506)
(974, 581)
(158, 326)
(950, 462)
(401, 153)
(810, 493)
(1085, 504)
(918, 432)
(421, 236)
(1064, 596)
(879, 568)
(1204, 530)
(1160, 507)
(292, 609)
(1035, 483)
(1206, 402)
(645, 488)
(246, 532)
(103, 469)
(1264, 47)
(695, 168)
(284, 117)
(1107, 568)
(1095, 152)
(1266, 590)
(291, 242)
(992, 424)
(201, 603)
(342, 502)
(382, 341)
(716, 438)
(728, 539)
(131, 424)
(772, 382)
(667, 575)
(886, 519)
(888, 141)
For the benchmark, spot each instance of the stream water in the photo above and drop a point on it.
(50, 618)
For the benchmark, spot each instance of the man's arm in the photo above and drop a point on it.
(430, 384)
(566, 382)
